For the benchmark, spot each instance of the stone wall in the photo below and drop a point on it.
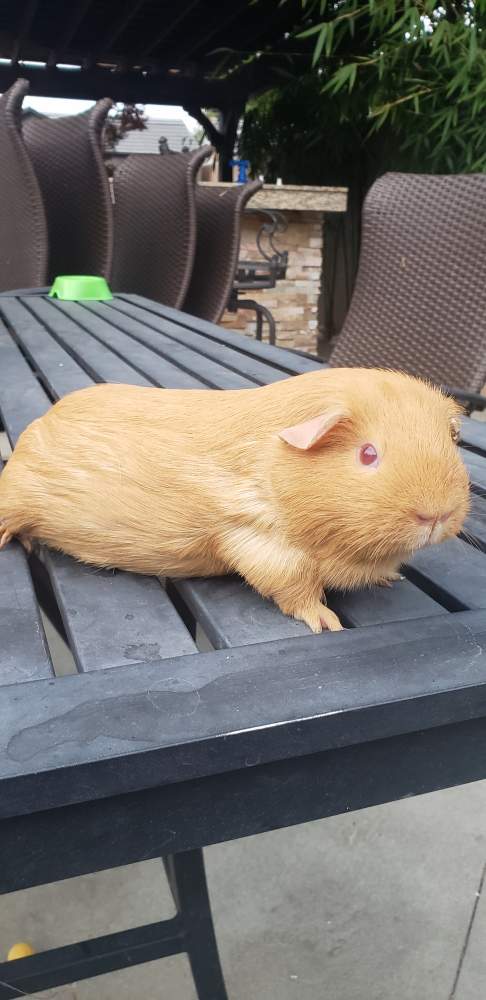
(294, 301)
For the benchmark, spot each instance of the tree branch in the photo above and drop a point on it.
(215, 137)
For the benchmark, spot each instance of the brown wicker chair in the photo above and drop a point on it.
(23, 229)
(155, 224)
(67, 158)
(218, 242)
(419, 303)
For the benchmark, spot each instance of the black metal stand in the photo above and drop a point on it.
(261, 313)
(254, 275)
(191, 931)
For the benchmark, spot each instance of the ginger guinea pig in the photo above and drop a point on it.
(329, 479)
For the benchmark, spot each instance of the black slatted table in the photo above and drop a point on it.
(153, 748)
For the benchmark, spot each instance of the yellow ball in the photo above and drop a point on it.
(20, 950)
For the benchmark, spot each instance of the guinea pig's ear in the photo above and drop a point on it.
(311, 432)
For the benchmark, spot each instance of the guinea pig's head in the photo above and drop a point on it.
(376, 471)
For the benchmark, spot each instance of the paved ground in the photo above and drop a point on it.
(385, 904)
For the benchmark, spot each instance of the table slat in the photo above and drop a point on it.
(232, 614)
(60, 372)
(23, 647)
(22, 399)
(453, 572)
(475, 527)
(476, 466)
(208, 373)
(277, 357)
(160, 371)
(114, 617)
(401, 602)
(24, 653)
(473, 433)
(99, 361)
(235, 362)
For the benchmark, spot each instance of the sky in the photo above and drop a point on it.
(66, 106)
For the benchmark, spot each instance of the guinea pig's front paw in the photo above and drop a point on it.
(389, 580)
(320, 618)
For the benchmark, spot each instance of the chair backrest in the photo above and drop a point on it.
(67, 157)
(155, 224)
(219, 213)
(23, 229)
(419, 304)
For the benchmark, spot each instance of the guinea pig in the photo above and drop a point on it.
(326, 480)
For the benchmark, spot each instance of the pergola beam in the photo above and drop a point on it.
(130, 87)
(218, 24)
(76, 13)
(169, 27)
(128, 12)
(23, 29)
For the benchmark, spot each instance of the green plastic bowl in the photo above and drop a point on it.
(80, 286)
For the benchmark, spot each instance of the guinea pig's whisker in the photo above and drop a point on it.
(470, 539)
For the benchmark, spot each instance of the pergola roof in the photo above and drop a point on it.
(145, 50)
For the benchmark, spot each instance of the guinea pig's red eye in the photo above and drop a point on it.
(368, 455)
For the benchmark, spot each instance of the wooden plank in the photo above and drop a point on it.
(145, 361)
(22, 399)
(184, 362)
(278, 357)
(60, 373)
(111, 618)
(23, 648)
(211, 372)
(232, 361)
(99, 361)
(476, 466)
(24, 654)
(232, 614)
(473, 434)
(370, 606)
(475, 527)
(176, 720)
(454, 573)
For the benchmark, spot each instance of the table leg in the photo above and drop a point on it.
(187, 880)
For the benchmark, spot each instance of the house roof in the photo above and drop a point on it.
(147, 140)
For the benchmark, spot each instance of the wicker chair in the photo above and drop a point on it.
(67, 158)
(23, 229)
(155, 224)
(419, 303)
(218, 242)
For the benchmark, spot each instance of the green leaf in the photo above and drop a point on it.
(319, 46)
(311, 31)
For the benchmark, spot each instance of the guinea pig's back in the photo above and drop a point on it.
(114, 470)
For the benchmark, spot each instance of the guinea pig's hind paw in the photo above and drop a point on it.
(26, 543)
(5, 537)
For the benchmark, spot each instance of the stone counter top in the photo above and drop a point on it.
(295, 197)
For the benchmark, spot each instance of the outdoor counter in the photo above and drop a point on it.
(294, 302)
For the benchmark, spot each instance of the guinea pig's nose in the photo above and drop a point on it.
(432, 518)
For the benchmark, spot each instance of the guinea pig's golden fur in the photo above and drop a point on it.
(267, 482)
